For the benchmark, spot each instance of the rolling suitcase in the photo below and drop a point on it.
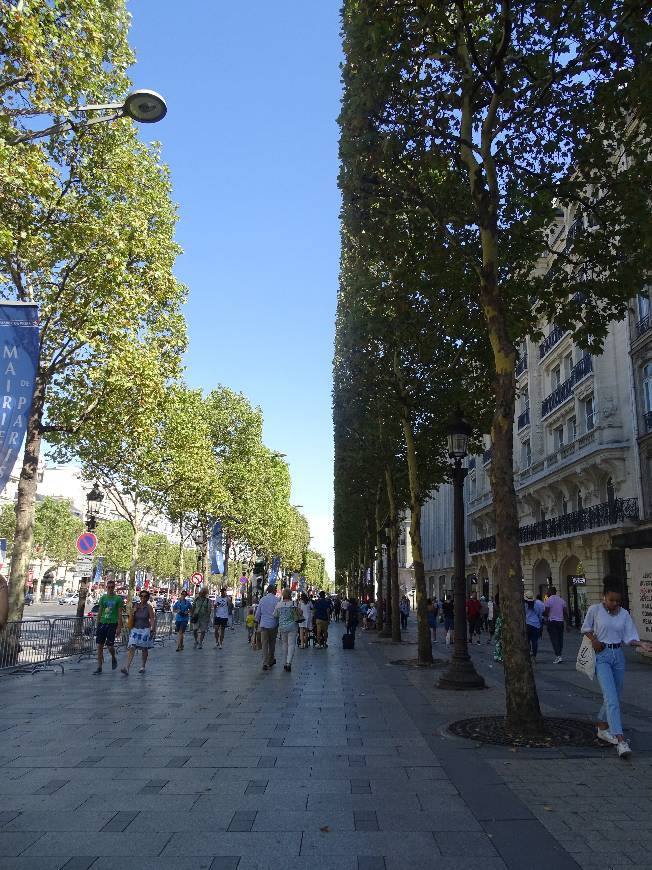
(348, 641)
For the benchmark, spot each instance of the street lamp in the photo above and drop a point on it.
(199, 537)
(94, 501)
(461, 673)
(144, 106)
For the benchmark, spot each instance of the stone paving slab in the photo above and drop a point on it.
(347, 744)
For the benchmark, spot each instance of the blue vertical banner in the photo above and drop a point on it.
(276, 564)
(99, 568)
(3, 552)
(217, 549)
(19, 349)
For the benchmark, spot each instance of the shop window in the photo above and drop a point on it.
(558, 437)
(526, 453)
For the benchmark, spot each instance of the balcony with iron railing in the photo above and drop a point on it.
(610, 513)
(521, 365)
(643, 326)
(523, 419)
(647, 419)
(564, 391)
(551, 340)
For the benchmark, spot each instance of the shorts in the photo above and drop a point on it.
(221, 620)
(181, 626)
(449, 623)
(105, 633)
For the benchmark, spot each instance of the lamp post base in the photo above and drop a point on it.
(461, 675)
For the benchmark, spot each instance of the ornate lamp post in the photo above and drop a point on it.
(93, 501)
(199, 537)
(460, 674)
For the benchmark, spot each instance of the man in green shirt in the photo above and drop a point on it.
(109, 621)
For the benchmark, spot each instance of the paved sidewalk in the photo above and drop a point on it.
(207, 762)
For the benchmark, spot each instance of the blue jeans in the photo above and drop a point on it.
(610, 671)
(533, 635)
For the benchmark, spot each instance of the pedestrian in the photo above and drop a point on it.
(142, 632)
(449, 618)
(372, 615)
(230, 608)
(609, 627)
(352, 616)
(182, 608)
(345, 605)
(491, 618)
(404, 609)
(322, 617)
(473, 616)
(534, 610)
(268, 625)
(220, 617)
(363, 608)
(432, 612)
(201, 614)
(288, 616)
(250, 623)
(306, 626)
(555, 611)
(484, 614)
(109, 623)
(337, 607)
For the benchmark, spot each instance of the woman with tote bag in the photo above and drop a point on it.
(608, 627)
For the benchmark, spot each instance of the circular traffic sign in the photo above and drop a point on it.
(86, 543)
(197, 578)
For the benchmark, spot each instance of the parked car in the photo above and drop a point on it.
(70, 599)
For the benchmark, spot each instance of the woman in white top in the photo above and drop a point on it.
(306, 613)
(609, 627)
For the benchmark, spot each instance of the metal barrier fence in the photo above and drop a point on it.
(33, 645)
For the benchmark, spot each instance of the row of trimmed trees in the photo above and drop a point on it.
(465, 129)
(87, 229)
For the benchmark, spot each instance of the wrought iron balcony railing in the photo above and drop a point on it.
(521, 365)
(643, 325)
(597, 516)
(563, 392)
(551, 340)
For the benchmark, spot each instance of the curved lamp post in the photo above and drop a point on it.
(93, 501)
(461, 673)
(144, 106)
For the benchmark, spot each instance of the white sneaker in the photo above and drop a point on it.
(606, 735)
(557, 660)
(623, 749)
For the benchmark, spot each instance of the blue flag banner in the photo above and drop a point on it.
(276, 564)
(3, 552)
(98, 570)
(217, 549)
(186, 585)
(19, 347)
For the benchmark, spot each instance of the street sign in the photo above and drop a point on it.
(86, 543)
(84, 566)
(197, 579)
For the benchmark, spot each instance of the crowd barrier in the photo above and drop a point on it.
(32, 645)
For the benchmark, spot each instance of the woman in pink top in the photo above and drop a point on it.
(555, 607)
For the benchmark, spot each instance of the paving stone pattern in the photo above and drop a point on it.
(208, 763)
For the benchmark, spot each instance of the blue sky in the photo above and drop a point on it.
(251, 138)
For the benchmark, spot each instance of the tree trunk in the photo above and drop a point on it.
(21, 550)
(424, 644)
(379, 550)
(523, 714)
(181, 565)
(387, 628)
(393, 545)
(135, 545)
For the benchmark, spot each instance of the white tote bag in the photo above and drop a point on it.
(585, 663)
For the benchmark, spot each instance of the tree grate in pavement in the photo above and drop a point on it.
(414, 663)
(558, 732)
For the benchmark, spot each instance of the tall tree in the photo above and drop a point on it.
(483, 118)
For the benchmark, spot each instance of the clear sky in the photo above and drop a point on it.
(251, 138)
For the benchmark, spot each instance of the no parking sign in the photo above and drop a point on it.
(86, 543)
